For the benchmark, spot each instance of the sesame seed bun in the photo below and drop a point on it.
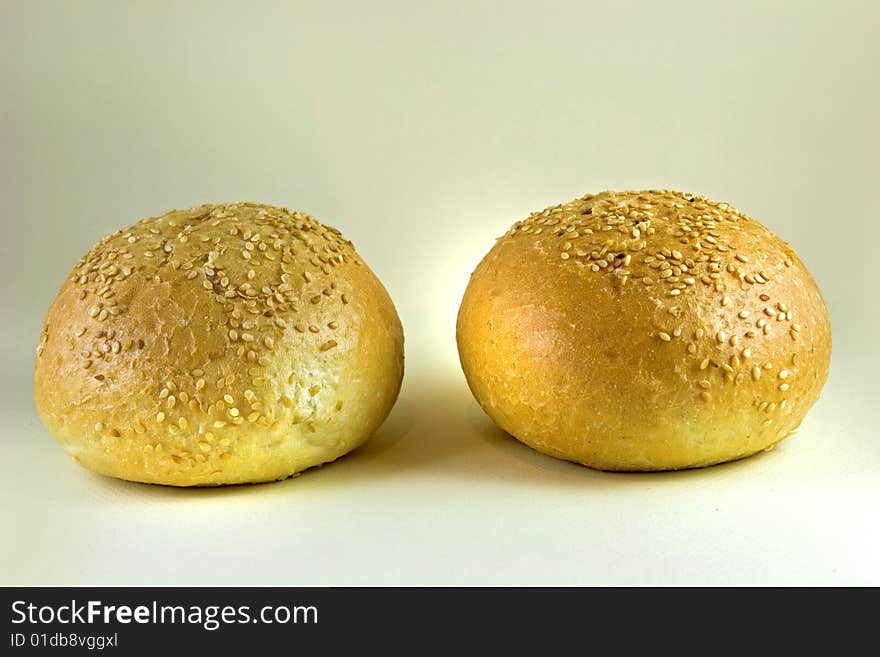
(647, 330)
(223, 344)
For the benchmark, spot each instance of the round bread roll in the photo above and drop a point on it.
(649, 330)
(223, 344)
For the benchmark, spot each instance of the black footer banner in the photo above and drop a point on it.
(220, 620)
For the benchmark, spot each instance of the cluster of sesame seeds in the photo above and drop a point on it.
(261, 264)
(679, 249)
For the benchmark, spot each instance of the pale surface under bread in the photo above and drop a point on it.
(644, 331)
(223, 344)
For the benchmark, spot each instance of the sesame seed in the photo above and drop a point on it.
(160, 417)
(233, 412)
(705, 396)
(704, 364)
(665, 336)
(725, 300)
(756, 373)
(247, 337)
(721, 336)
(328, 345)
(783, 387)
(228, 399)
(705, 384)
(783, 374)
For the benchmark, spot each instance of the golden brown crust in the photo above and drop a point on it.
(222, 344)
(644, 331)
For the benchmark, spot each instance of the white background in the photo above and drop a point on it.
(423, 130)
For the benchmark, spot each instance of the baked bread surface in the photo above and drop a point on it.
(223, 344)
(645, 330)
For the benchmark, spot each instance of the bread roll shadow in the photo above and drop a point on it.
(438, 429)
